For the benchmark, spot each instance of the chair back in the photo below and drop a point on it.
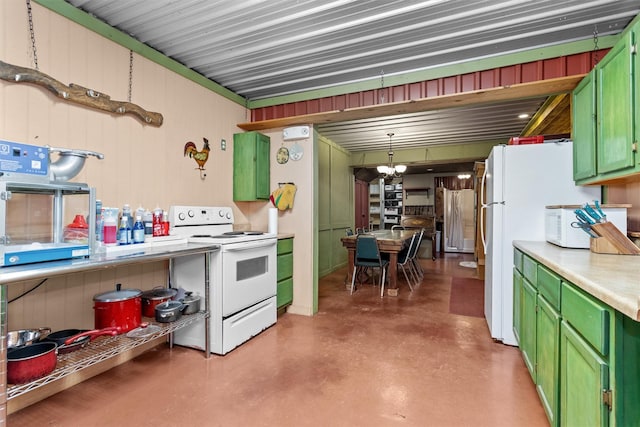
(397, 227)
(367, 249)
(420, 235)
(406, 254)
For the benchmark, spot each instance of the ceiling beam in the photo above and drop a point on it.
(484, 96)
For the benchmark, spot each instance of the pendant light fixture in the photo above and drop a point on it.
(389, 170)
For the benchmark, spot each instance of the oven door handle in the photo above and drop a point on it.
(253, 246)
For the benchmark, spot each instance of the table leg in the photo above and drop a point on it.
(392, 289)
(351, 256)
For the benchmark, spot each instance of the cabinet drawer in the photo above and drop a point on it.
(285, 246)
(530, 270)
(549, 286)
(517, 260)
(285, 266)
(587, 316)
(285, 292)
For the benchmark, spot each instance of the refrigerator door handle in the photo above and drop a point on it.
(483, 206)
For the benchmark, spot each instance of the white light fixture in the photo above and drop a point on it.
(389, 170)
(464, 176)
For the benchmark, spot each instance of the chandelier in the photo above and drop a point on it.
(388, 170)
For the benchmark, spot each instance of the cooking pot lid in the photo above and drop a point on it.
(159, 293)
(169, 305)
(118, 295)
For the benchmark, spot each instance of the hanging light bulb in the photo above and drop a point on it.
(389, 170)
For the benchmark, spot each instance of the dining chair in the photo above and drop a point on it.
(367, 255)
(414, 259)
(405, 261)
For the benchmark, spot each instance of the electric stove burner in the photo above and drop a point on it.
(202, 235)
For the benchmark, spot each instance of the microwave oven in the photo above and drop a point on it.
(558, 219)
(34, 220)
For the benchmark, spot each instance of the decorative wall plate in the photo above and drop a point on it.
(282, 156)
(296, 151)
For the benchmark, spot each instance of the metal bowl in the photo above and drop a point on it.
(26, 336)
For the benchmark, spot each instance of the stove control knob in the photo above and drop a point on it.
(181, 216)
(221, 213)
(191, 213)
(228, 215)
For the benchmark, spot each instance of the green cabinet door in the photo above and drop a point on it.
(517, 303)
(615, 108)
(548, 357)
(584, 128)
(528, 327)
(584, 375)
(284, 295)
(251, 168)
(635, 37)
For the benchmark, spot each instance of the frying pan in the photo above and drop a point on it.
(69, 340)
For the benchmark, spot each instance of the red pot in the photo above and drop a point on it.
(31, 362)
(120, 308)
(155, 296)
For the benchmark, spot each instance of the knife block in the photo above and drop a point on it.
(612, 241)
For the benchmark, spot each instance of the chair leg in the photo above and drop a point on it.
(353, 279)
(404, 271)
(384, 271)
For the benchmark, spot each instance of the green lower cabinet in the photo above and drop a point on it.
(284, 294)
(517, 303)
(548, 357)
(528, 327)
(584, 376)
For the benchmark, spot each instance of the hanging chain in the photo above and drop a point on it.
(595, 45)
(33, 35)
(130, 74)
(381, 86)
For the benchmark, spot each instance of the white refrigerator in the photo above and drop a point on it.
(520, 180)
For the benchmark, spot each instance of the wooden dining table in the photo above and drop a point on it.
(389, 241)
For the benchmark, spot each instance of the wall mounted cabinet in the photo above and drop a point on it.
(605, 117)
(251, 168)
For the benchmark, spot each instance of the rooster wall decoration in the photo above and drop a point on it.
(200, 157)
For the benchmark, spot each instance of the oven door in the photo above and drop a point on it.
(248, 274)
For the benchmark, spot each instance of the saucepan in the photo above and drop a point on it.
(31, 362)
(69, 340)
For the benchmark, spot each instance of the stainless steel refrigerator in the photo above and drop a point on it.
(520, 180)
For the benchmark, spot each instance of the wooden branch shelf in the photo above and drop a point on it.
(612, 241)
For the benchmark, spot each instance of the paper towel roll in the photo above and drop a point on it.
(273, 220)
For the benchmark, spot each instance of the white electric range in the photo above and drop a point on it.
(242, 277)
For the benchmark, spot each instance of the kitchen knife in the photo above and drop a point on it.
(592, 213)
(602, 214)
(583, 217)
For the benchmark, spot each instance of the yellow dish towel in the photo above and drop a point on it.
(282, 197)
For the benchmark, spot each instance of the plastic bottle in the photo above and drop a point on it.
(138, 230)
(147, 219)
(157, 222)
(124, 233)
(165, 223)
(126, 211)
(110, 227)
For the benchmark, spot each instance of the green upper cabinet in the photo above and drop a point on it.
(606, 119)
(584, 128)
(614, 100)
(251, 166)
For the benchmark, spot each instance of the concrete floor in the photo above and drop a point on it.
(361, 361)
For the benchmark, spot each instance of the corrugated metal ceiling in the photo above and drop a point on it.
(261, 49)
(265, 48)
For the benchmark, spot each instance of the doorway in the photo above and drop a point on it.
(361, 204)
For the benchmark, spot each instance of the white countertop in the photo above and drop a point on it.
(613, 279)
